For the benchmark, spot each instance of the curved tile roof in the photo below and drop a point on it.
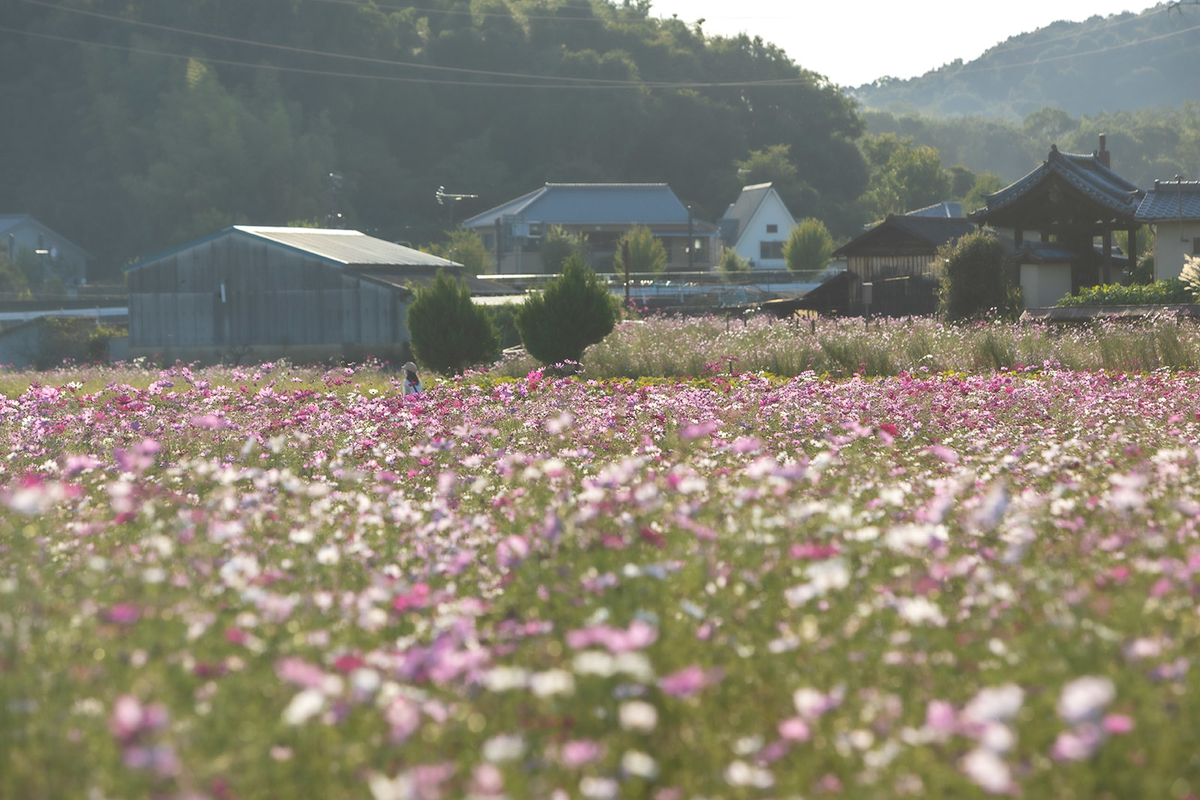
(1083, 172)
(1170, 200)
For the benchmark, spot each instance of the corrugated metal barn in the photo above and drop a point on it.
(257, 294)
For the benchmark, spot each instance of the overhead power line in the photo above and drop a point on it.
(780, 82)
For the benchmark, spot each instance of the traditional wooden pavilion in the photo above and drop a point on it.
(1072, 201)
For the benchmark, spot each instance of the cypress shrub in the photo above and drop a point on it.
(973, 279)
(574, 311)
(449, 332)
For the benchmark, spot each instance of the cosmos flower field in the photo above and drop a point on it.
(275, 582)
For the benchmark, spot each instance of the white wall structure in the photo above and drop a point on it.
(757, 225)
(1173, 208)
(1045, 284)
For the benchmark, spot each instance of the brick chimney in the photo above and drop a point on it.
(1103, 154)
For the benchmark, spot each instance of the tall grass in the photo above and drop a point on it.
(678, 346)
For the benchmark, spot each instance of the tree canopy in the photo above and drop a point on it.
(144, 124)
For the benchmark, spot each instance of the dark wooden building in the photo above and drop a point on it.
(897, 258)
(258, 293)
(1074, 202)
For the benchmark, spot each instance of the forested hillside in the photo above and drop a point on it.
(1146, 145)
(1125, 62)
(134, 126)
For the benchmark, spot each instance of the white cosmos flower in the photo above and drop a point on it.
(637, 715)
(635, 762)
(328, 555)
(988, 770)
(304, 706)
(1084, 699)
(594, 662)
(505, 747)
(301, 536)
(994, 704)
(919, 611)
(552, 682)
(503, 679)
(739, 773)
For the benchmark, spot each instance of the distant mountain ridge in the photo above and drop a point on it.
(1124, 62)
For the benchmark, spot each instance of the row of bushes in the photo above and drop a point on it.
(451, 333)
(1169, 292)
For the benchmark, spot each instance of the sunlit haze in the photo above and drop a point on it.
(853, 43)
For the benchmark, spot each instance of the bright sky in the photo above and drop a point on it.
(853, 42)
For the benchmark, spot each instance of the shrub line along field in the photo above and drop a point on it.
(280, 582)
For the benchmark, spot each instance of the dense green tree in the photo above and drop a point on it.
(12, 279)
(558, 245)
(646, 253)
(984, 185)
(910, 177)
(732, 265)
(449, 332)
(574, 311)
(464, 246)
(129, 153)
(973, 279)
(809, 246)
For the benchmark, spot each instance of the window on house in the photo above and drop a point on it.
(767, 250)
(772, 229)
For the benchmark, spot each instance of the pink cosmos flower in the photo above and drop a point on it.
(578, 752)
(1118, 723)
(1077, 744)
(794, 729)
(688, 681)
(124, 614)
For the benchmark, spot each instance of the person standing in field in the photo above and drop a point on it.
(412, 384)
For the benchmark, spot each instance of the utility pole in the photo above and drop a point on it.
(691, 242)
(625, 258)
(445, 198)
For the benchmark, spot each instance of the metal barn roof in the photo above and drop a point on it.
(345, 248)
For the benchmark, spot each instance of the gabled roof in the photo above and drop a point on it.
(590, 204)
(742, 210)
(12, 220)
(926, 233)
(951, 209)
(1085, 173)
(341, 247)
(1170, 200)
(8, 221)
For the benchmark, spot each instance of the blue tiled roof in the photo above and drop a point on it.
(950, 209)
(1170, 200)
(591, 204)
(1083, 172)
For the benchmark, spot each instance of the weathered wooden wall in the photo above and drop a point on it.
(873, 268)
(273, 296)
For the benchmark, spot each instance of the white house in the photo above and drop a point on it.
(1173, 208)
(757, 225)
(22, 236)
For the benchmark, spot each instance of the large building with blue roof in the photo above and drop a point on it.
(603, 213)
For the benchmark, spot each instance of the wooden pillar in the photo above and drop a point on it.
(1133, 250)
(1018, 237)
(1107, 276)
